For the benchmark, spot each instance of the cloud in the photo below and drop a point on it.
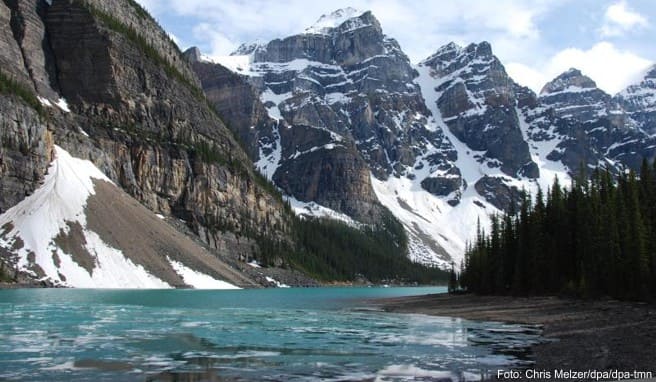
(436, 22)
(219, 44)
(611, 68)
(619, 20)
(531, 54)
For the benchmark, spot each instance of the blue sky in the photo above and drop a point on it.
(612, 41)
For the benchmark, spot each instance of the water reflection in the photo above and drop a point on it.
(154, 343)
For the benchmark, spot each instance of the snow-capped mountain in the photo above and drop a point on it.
(447, 142)
(572, 95)
(639, 101)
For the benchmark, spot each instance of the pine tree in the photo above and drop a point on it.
(453, 280)
(597, 238)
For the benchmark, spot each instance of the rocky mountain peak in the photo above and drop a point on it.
(572, 80)
(477, 101)
(192, 54)
(248, 48)
(651, 73)
(573, 95)
(446, 52)
(639, 101)
(482, 49)
(452, 57)
(342, 19)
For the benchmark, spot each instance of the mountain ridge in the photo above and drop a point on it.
(337, 118)
(482, 137)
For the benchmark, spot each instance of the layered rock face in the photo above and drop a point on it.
(340, 93)
(572, 95)
(135, 108)
(25, 150)
(153, 131)
(25, 68)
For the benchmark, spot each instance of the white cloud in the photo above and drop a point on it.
(620, 19)
(219, 43)
(436, 22)
(527, 76)
(421, 26)
(611, 68)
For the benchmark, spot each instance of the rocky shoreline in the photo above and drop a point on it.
(580, 335)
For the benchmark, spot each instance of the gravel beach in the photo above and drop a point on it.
(599, 335)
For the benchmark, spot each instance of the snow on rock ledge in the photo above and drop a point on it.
(31, 229)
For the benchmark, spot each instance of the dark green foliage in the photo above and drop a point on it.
(10, 86)
(453, 280)
(595, 239)
(333, 251)
(5, 273)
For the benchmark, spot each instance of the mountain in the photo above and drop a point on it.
(242, 158)
(118, 170)
(639, 101)
(103, 82)
(444, 143)
(349, 81)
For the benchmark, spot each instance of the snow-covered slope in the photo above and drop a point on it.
(58, 234)
(448, 142)
(639, 101)
(333, 20)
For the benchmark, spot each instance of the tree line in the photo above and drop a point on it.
(331, 250)
(595, 238)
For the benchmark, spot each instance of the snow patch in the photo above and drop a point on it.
(277, 283)
(44, 101)
(53, 208)
(267, 165)
(237, 64)
(328, 22)
(197, 279)
(315, 210)
(63, 105)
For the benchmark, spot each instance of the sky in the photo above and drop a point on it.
(611, 41)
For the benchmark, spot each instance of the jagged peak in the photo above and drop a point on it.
(572, 79)
(448, 51)
(192, 54)
(451, 47)
(647, 77)
(248, 48)
(644, 81)
(327, 23)
(452, 51)
(483, 48)
(651, 73)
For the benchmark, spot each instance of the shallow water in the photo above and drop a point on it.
(325, 334)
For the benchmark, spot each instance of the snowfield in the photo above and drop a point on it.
(35, 229)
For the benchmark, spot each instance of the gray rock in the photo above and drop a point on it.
(30, 34)
(478, 103)
(498, 193)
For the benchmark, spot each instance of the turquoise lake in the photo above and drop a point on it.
(317, 334)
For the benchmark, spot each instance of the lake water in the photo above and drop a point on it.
(319, 334)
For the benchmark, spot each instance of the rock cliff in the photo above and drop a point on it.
(105, 82)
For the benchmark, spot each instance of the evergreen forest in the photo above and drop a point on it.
(593, 239)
